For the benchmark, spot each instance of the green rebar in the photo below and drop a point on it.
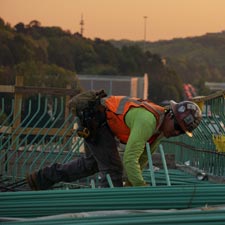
(45, 203)
(164, 165)
(151, 169)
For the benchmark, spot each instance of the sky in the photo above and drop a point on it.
(149, 20)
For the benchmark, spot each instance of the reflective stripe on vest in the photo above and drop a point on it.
(123, 103)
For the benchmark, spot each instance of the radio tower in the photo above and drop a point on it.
(81, 25)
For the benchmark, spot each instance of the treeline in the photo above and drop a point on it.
(195, 59)
(50, 56)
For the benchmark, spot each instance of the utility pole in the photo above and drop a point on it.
(145, 29)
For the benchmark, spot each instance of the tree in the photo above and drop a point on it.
(34, 23)
(20, 27)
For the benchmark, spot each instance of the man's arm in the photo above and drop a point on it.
(142, 125)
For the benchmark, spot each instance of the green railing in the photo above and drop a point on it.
(206, 150)
(27, 147)
(36, 129)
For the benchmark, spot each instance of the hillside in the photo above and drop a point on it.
(51, 56)
(195, 59)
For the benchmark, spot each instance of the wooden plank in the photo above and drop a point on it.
(36, 131)
(7, 89)
(44, 131)
(45, 90)
(5, 129)
(17, 109)
(209, 97)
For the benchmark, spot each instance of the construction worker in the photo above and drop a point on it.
(131, 121)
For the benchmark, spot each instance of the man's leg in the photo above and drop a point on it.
(104, 149)
(81, 167)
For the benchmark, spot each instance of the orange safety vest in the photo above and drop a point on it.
(118, 106)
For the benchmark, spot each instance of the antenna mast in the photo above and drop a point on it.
(145, 28)
(81, 25)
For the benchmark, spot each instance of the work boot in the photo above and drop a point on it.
(32, 181)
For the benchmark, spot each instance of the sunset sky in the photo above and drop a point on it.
(121, 19)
